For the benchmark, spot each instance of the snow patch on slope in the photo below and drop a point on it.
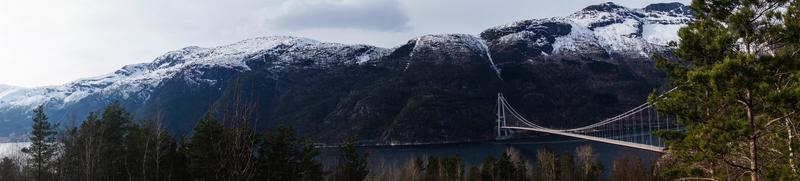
(661, 34)
(580, 38)
(456, 44)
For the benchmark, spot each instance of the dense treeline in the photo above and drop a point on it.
(112, 146)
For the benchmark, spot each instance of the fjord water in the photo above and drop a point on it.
(474, 153)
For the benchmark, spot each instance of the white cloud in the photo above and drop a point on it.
(381, 15)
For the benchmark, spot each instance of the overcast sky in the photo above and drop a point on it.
(51, 42)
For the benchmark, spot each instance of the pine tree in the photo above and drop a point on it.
(81, 147)
(151, 153)
(285, 157)
(521, 171)
(97, 150)
(177, 161)
(134, 151)
(352, 166)
(504, 168)
(202, 150)
(310, 168)
(737, 92)
(277, 156)
(43, 146)
(113, 127)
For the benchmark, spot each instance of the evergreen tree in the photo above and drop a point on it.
(352, 166)
(80, 151)
(521, 171)
(99, 149)
(310, 168)
(203, 149)
(504, 168)
(284, 157)
(737, 92)
(43, 146)
(135, 151)
(113, 128)
(177, 160)
(151, 153)
(277, 156)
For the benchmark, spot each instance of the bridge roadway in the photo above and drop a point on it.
(604, 140)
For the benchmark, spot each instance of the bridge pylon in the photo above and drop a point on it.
(502, 133)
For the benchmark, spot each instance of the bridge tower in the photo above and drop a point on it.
(501, 118)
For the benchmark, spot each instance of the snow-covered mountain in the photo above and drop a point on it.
(345, 85)
(136, 82)
(605, 29)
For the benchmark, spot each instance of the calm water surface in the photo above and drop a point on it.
(475, 152)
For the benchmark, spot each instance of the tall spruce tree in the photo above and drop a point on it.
(203, 152)
(42, 148)
(113, 127)
(505, 169)
(81, 148)
(282, 156)
(352, 166)
(737, 92)
(151, 153)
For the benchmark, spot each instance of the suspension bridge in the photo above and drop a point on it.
(632, 128)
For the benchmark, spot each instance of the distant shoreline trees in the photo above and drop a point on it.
(112, 146)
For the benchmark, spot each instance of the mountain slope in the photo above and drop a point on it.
(562, 72)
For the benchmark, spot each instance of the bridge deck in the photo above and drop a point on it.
(604, 140)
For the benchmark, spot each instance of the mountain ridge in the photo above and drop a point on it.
(600, 33)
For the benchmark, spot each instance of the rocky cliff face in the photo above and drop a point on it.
(561, 72)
